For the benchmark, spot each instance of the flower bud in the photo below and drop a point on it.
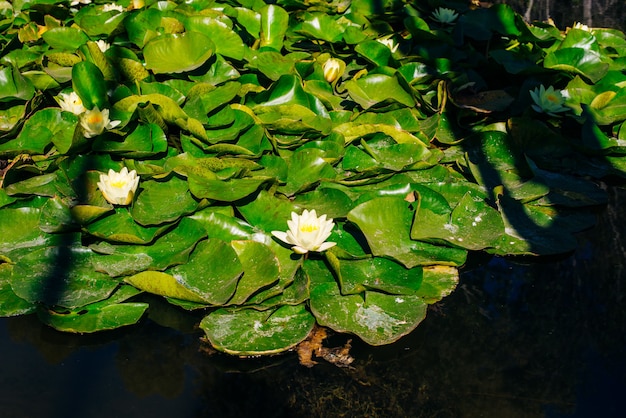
(332, 69)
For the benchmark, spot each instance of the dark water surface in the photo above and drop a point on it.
(532, 339)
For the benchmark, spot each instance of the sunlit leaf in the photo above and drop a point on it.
(252, 332)
(178, 53)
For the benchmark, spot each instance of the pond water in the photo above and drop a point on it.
(523, 338)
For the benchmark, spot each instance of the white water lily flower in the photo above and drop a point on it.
(112, 6)
(103, 45)
(71, 103)
(307, 232)
(77, 2)
(95, 121)
(332, 68)
(581, 26)
(389, 43)
(119, 188)
(445, 15)
(548, 100)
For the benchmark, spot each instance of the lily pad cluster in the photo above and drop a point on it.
(412, 128)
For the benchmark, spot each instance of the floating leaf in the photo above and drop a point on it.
(149, 209)
(14, 86)
(260, 267)
(274, 24)
(177, 53)
(99, 316)
(250, 332)
(60, 276)
(212, 272)
(385, 222)
(375, 317)
(67, 38)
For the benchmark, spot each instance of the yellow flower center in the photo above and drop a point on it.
(309, 228)
(94, 119)
(119, 183)
(552, 98)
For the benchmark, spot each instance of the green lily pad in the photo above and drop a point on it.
(226, 191)
(149, 209)
(227, 42)
(178, 53)
(357, 276)
(306, 167)
(472, 224)
(45, 127)
(378, 89)
(212, 273)
(580, 61)
(375, 317)
(45, 185)
(274, 24)
(167, 250)
(119, 226)
(10, 303)
(65, 38)
(249, 332)
(145, 141)
(386, 222)
(105, 315)
(260, 266)
(14, 86)
(268, 213)
(60, 276)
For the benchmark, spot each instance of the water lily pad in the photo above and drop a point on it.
(378, 89)
(306, 167)
(149, 209)
(250, 332)
(386, 222)
(227, 190)
(60, 276)
(375, 317)
(178, 53)
(43, 128)
(260, 266)
(162, 284)
(10, 303)
(274, 24)
(472, 224)
(268, 213)
(170, 249)
(121, 227)
(145, 141)
(88, 82)
(99, 316)
(583, 62)
(357, 276)
(212, 273)
(65, 38)
(44, 185)
(96, 22)
(227, 42)
(14, 86)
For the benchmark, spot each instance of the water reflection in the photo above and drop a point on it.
(523, 339)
